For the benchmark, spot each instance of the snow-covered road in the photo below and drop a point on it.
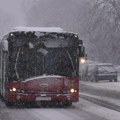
(83, 110)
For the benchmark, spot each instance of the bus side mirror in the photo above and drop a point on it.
(5, 45)
(81, 48)
(82, 51)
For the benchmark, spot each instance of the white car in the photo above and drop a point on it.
(101, 71)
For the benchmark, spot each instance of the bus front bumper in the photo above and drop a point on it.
(14, 97)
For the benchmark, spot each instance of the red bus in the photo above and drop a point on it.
(40, 65)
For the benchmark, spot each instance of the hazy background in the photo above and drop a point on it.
(11, 15)
(95, 21)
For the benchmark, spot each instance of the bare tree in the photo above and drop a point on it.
(103, 27)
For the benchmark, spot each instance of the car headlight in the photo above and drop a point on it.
(82, 60)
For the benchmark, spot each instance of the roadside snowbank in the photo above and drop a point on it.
(103, 88)
(114, 86)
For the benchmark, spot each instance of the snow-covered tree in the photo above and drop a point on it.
(103, 27)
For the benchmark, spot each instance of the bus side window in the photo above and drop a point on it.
(5, 45)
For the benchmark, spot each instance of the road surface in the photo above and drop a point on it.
(83, 110)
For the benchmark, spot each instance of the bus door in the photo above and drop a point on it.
(4, 69)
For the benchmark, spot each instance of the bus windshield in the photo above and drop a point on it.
(35, 58)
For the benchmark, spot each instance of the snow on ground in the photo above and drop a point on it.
(105, 113)
(103, 90)
(104, 84)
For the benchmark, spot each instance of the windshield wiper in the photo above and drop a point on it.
(71, 62)
(16, 64)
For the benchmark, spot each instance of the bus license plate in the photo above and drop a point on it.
(43, 98)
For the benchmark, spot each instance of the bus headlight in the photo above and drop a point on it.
(72, 90)
(13, 89)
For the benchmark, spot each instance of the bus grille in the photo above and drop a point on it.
(42, 92)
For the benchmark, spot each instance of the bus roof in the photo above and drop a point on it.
(38, 29)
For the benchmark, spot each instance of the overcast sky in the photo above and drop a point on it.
(14, 8)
